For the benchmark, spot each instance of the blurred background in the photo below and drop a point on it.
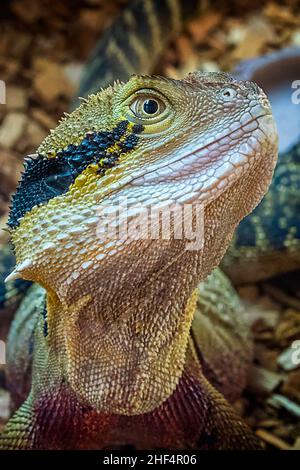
(43, 48)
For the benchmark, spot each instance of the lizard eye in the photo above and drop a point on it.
(146, 107)
(228, 93)
(150, 106)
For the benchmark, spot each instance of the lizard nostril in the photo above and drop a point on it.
(228, 93)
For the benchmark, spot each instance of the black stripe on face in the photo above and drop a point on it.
(46, 178)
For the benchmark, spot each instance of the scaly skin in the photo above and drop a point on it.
(114, 361)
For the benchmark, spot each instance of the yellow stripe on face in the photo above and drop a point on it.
(87, 181)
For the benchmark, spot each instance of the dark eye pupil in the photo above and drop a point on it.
(150, 106)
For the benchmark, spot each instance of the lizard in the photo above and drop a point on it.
(115, 357)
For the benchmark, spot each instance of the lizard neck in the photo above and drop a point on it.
(125, 356)
(120, 330)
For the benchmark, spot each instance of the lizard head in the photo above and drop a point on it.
(79, 225)
(150, 141)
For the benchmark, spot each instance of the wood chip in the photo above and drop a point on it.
(282, 296)
(280, 401)
(266, 318)
(296, 446)
(266, 357)
(43, 118)
(209, 66)
(12, 129)
(289, 328)
(16, 98)
(257, 34)
(74, 72)
(35, 133)
(184, 47)
(202, 26)
(272, 440)
(10, 169)
(27, 10)
(262, 380)
(91, 19)
(286, 360)
(269, 423)
(295, 38)
(51, 82)
(280, 13)
(291, 387)
(249, 292)
(236, 32)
